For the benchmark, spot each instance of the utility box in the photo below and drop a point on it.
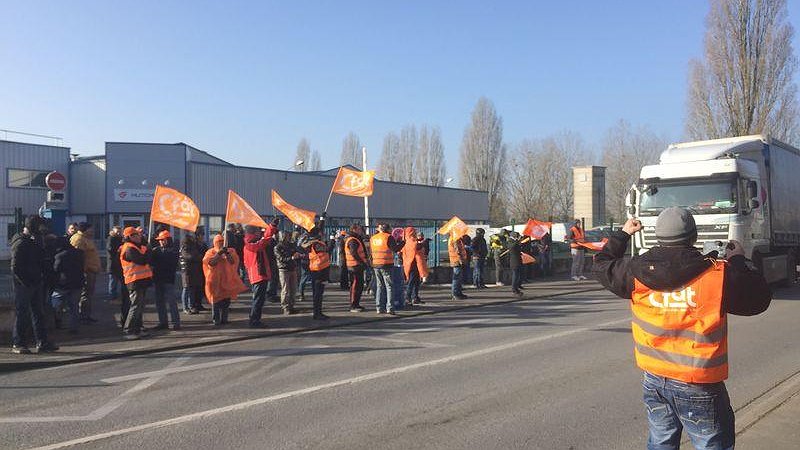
(589, 194)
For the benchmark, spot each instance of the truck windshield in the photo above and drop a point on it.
(717, 197)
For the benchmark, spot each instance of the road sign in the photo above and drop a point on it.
(56, 181)
(45, 212)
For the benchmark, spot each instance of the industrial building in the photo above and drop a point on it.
(116, 188)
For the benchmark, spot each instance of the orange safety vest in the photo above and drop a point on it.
(577, 235)
(457, 251)
(318, 260)
(130, 270)
(683, 334)
(382, 255)
(349, 257)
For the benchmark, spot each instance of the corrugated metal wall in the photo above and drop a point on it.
(87, 195)
(209, 185)
(17, 155)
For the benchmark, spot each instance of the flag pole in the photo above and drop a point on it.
(149, 231)
(331, 193)
(366, 199)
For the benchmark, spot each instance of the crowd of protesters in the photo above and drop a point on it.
(60, 272)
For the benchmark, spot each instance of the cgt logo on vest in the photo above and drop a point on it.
(683, 299)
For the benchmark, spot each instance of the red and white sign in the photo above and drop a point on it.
(56, 181)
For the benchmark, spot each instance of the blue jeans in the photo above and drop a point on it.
(259, 295)
(165, 296)
(29, 308)
(458, 279)
(477, 272)
(113, 286)
(305, 278)
(546, 263)
(398, 287)
(383, 288)
(68, 298)
(703, 409)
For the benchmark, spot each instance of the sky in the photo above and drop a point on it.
(246, 80)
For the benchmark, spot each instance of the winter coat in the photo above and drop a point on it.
(514, 254)
(91, 258)
(27, 260)
(68, 269)
(139, 258)
(222, 279)
(745, 291)
(414, 256)
(256, 259)
(284, 253)
(164, 263)
(479, 249)
(191, 264)
(113, 243)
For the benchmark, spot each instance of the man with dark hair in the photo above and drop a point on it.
(83, 240)
(72, 229)
(27, 267)
(68, 280)
(479, 254)
(164, 264)
(680, 299)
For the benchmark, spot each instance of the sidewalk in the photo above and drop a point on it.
(103, 340)
(778, 428)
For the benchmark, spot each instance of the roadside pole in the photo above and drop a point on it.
(366, 199)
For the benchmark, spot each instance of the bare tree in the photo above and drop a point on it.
(351, 150)
(315, 163)
(539, 179)
(744, 84)
(407, 154)
(387, 168)
(483, 154)
(624, 151)
(430, 165)
(303, 154)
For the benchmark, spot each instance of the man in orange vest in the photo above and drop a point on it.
(574, 236)
(680, 299)
(134, 257)
(356, 259)
(458, 259)
(382, 246)
(319, 263)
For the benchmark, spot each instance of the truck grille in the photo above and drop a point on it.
(705, 233)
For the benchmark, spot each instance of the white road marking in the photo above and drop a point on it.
(324, 386)
(392, 340)
(104, 410)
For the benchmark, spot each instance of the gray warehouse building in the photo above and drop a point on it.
(117, 188)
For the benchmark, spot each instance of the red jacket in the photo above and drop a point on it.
(256, 261)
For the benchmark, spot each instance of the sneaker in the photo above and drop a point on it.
(392, 312)
(20, 350)
(500, 283)
(583, 277)
(45, 347)
(380, 311)
(357, 309)
(518, 293)
(576, 279)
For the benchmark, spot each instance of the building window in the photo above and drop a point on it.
(24, 178)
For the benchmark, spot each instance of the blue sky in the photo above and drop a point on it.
(246, 80)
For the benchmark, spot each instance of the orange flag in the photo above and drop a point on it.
(455, 227)
(536, 229)
(354, 183)
(298, 216)
(527, 259)
(595, 246)
(174, 208)
(239, 211)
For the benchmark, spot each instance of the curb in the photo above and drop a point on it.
(32, 365)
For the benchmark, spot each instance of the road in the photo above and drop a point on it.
(553, 373)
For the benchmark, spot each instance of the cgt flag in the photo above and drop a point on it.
(298, 216)
(354, 183)
(536, 229)
(594, 246)
(455, 227)
(239, 211)
(527, 259)
(174, 208)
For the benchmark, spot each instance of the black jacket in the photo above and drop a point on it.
(514, 254)
(191, 262)
(68, 268)
(113, 243)
(479, 249)
(164, 263)
(283, 254)
(27, 260)
(745, 291)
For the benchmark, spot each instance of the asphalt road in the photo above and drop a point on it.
(553, 373)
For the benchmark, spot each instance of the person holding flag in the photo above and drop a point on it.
(135, 260)
(515, 262)
(259, 269)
